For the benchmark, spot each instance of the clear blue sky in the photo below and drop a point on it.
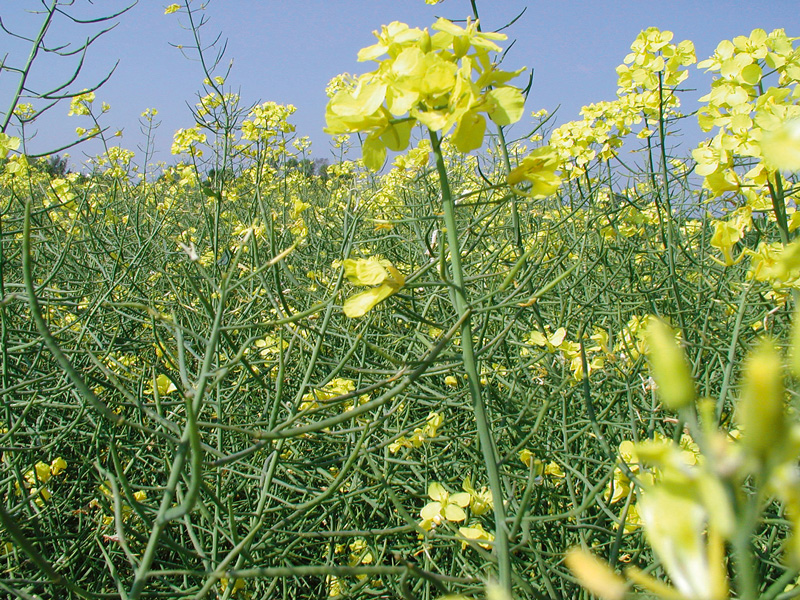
(287, 52)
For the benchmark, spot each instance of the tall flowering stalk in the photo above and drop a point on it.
(447, 82)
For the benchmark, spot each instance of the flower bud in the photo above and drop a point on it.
(761, 407)
(669, 366)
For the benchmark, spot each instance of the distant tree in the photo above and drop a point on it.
(306, 166)
(55, 165)
(321, 168)
(290, 164)
(218, 176)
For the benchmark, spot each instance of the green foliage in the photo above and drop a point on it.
(201, 399)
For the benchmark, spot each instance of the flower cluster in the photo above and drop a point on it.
(81, 105)
(36, 479)
(425, 78)
(646, 83)
(331, 390)
(698, 495)
(744, 109)
(420, 435)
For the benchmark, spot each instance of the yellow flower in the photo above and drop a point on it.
(550, 342)
(268, 346)
(480, 502)
(81, 104)
(8, 143)
(335, 586)
(478, 534)
(172, 8)
(163, 385)
(781, 148)
(726, 235)
(674, 524)
(375, 272)
(427, 79)
(332, 389)
(538, 168)
(57, 466)
(360, 554)
(445, 506)
(529, 459)
(554, 470)
(39, 474)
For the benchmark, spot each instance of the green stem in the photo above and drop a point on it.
(728, 372)
(460, 303)
(670, 233)
(779, 207)
(742, 546)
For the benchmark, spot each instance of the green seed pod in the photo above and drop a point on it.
(669, 366)
(761, 412)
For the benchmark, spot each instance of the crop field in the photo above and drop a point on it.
(451, 363)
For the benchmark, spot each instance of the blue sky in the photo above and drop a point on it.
(288, 51)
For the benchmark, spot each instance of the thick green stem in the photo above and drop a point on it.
(670, 233)
(742, 546)
(779, 207)
(460, 303)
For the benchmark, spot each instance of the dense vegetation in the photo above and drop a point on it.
(188, 411)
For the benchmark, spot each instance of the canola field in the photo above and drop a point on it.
(451, 363)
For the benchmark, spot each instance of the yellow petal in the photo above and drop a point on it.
(558, 336)
(164, 385)
(454, 513)
(436, 491)
(507, 105)
(373, 152)
(58, 465)
(538, 338)
(42, 472)
(364, 271)
(781, 148)
(461, 499)
(363, 302)
(526, 457)
(397, 135)
(365, 100)
(595, 575)
(468, 135)
(430, 511)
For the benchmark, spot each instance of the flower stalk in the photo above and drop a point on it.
(460, 302)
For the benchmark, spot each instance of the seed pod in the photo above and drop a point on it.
(669, 366)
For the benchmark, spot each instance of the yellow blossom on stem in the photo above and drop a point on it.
(379, 273)
(476, 533)
(445, 506)
(538, 169)
(427, 79)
